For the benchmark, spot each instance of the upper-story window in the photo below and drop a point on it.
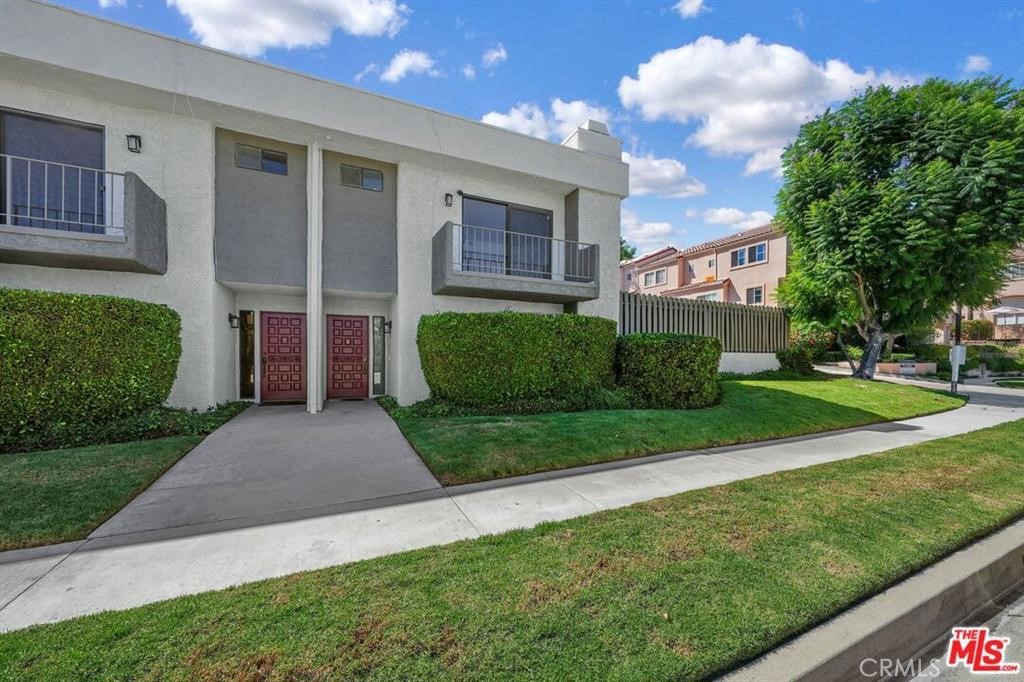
(51, 174)
(655, 278)
(257, 158)
(1015, 271)
(711, 262)
(362, 178)
(758, 253)
(1004, 320)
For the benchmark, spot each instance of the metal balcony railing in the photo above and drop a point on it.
(60, 196)
(499, 252)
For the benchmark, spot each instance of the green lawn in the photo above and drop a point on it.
(58, 495)
(467, 449)
(1010, 383)
(673, 589)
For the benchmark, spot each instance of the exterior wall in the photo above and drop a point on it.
(177, 162)
(421, 213)
(260, 217)
(747, 363)
(360, 229)
(599, 223)
(671, 268)
(767, 274)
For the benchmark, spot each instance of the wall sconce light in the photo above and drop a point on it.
(448, 199)
(233, 320)
(387, 327)
(135, 144)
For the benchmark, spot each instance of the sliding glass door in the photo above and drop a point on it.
(505, 239)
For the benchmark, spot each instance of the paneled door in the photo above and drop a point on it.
(282, 357)
(348, 354)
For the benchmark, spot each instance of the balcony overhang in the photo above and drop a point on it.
(451, 277)
(139, 246)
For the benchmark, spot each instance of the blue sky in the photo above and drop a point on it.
(703, 93)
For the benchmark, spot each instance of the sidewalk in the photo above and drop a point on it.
(54, 583)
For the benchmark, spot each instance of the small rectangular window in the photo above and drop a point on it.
(739, 257)
(659, 276)
(757, 253)
(266, 160)
(755, 296)
(362, 178)
(648, 279)
(711, 262)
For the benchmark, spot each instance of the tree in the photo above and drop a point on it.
(900, 204)
(626, 252)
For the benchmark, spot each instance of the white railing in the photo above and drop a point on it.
(59, 196)
(1015, 271)
(499, 252)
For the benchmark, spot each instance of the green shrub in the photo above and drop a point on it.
(494, 359)
(77, 359)
(817, 338)
(977, 330)
(601, 399)
(898, 357)
(669, 371)
(157, 422)
(799, 359)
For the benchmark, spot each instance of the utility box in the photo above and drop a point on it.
(957, 355)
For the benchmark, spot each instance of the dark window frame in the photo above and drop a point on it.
(760, 294)
(363, 170)
(509, 208)
(263, 151)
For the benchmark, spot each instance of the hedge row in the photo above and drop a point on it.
(482, 359)
(669, 371)
(77, 359)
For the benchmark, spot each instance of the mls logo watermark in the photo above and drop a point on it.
(979, 651)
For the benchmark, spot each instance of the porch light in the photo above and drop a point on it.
(448, 199)
(233, 320)
(135, 144)
(387, 327)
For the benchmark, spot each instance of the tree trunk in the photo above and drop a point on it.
(872, 351)
(842, 346)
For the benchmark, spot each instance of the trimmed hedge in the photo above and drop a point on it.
(669, 371)
(489, 359)
(797, 358)
(79, 359)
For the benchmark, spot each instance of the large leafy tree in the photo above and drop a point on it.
(901, 204)
(626, 250)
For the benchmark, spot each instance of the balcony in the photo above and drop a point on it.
(66, 216)
(491, 263)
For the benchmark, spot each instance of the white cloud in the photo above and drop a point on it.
(111, 3)
(663, 177)
(494, 56)
(409, 62)
(769, 159)
(645, 236)
(688, 9)
(976, 63)
(469, 72)
(563, 118)
(367, 70)
(736, 219)
(692, 213)
(747, 97)
(250, 28)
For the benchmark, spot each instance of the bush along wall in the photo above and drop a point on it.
(500, 359)
(77, 359)
(669, 371)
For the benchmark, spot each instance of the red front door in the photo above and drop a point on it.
(282, 356)
(348, 352)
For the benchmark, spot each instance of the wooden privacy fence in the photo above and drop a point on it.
(741, 328)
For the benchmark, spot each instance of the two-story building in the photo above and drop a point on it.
(742, 268)
(299, 227)
(1006, 314)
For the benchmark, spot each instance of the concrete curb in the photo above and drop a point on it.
(902, 622)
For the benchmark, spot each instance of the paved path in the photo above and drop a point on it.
(121, 571)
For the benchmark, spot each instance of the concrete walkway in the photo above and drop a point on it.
(130, 569)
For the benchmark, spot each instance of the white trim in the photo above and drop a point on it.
(314, 279)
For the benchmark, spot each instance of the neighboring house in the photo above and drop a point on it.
(299, 227)
(1006, 315)
(741, 268)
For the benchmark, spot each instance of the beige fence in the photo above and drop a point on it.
(742, 328)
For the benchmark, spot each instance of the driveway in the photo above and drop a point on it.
(277, 463)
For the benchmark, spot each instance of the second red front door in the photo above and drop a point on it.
(348, 353)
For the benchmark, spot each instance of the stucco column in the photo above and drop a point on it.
(314, 277)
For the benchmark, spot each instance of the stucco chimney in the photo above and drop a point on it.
(592, 137)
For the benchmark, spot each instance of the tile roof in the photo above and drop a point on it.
(696, 286)
(766, 229)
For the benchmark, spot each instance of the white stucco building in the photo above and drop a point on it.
(299, 227)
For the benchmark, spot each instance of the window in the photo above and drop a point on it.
(363, 178)
(1008, 320)
(711, 262)
(713, 296)
(1015, 271)
(51, 174)
(256, 158)
(629, 276)
(655, 278)
(755, 296)
(505, 239)
(758, 253)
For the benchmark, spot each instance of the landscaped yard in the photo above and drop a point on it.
(677, 588)
(59, 495)
(467, 449)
